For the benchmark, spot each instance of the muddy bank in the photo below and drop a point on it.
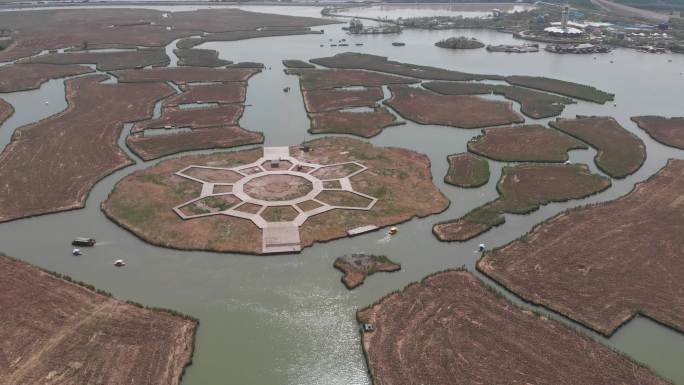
(331, 99)
(461, 111)
(220, 93)
(107, 61)
(156, 146)
(602, 264)
(33, 31)
(6, 110)
(317, 79)
(356, 267)
(669, 132)
(484, 338)
(71, 333)
(51, 165)
(23, 77)
(200, 58)
(529, 143)
(365, 124)
(183, 75)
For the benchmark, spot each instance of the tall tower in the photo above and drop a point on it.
(564, 18)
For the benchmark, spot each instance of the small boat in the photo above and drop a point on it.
(76, 252)
(393, 230)
(482, 247)
(286, 89)
(398, 44)
(119, 263)
(90, 242)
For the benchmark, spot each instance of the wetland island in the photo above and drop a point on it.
(183, 186)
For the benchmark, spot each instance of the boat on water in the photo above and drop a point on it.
(522, 48)
(398, 44)
(82, 241)
(119, 263)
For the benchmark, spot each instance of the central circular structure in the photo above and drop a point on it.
(279, 187)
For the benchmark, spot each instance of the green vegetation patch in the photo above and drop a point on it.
(529, 143)
(467, 170)
(355, 60)
(460, 42)
(523, 189)
(294, 63)
(619, 152)
(534, 104)
(319, 79)
(200, 58)
(575, 90)
(459, 88)
(279, 213)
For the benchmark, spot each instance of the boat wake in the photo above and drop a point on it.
(384, 240)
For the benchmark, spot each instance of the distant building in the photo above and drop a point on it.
(563, 32)
(355, 26)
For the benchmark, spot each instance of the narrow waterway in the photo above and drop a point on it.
(287, 319)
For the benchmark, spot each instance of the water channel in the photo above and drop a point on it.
(287, 319)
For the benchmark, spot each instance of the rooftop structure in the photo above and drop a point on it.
(563, 32)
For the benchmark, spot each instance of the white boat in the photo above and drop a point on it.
(119, 263)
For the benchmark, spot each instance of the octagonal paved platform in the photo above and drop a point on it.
(223, 193)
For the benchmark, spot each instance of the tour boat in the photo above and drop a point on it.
(83, 242)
